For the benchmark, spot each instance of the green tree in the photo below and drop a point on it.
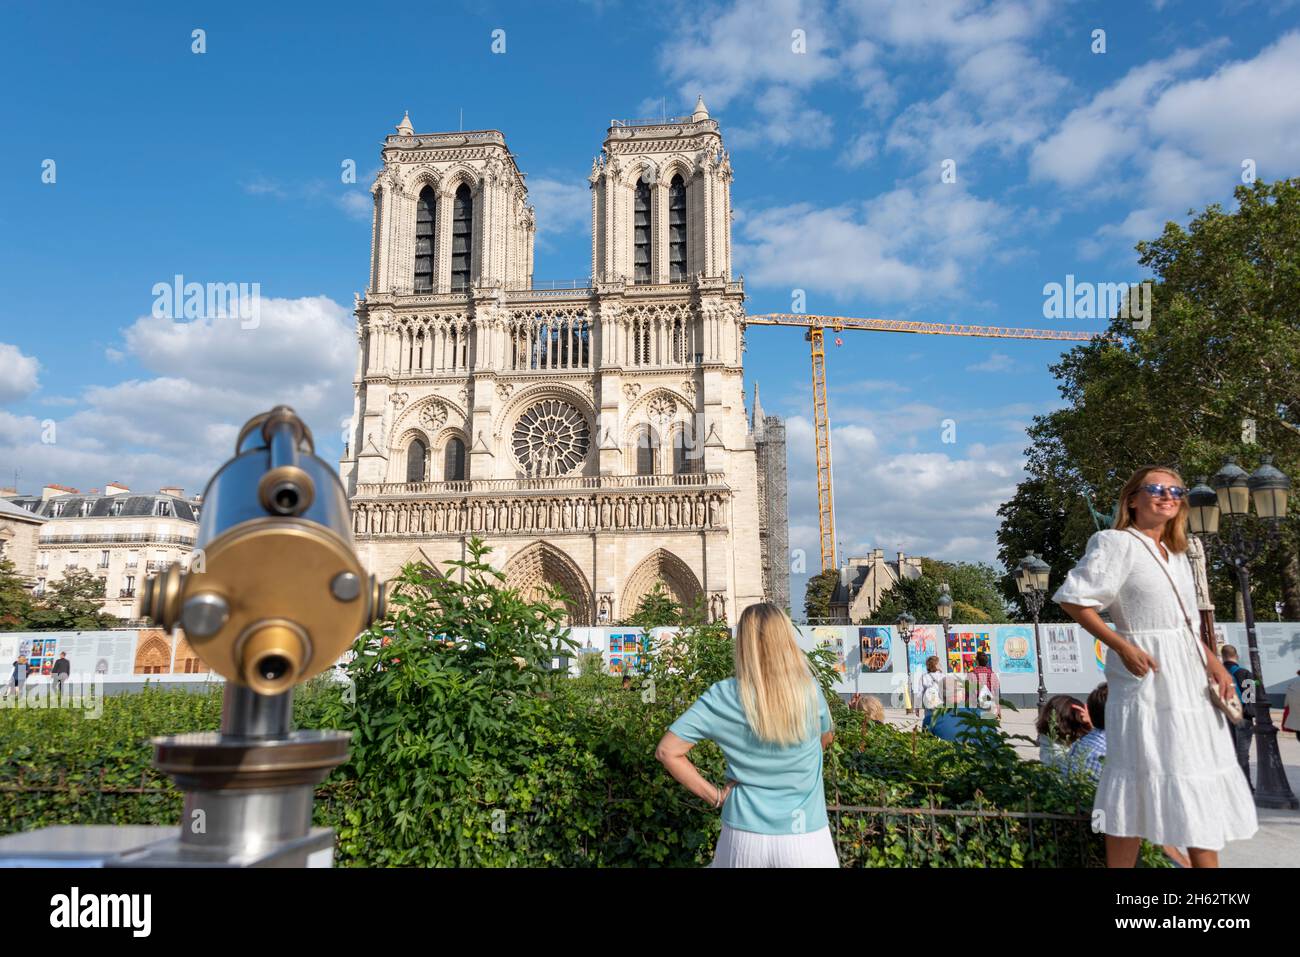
(818, 594)
(656, 610)
(975, 591)
(1222, 346)
(73, 603)
(15, 599)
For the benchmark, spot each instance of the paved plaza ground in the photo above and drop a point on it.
(1276, 844)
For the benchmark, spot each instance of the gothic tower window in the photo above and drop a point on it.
(641, 233)
(647, 450)
(425, 220)
(462, 231)
(416, 454)
(453, 466)
(677, 230)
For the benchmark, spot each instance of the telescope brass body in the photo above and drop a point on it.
(274, 593)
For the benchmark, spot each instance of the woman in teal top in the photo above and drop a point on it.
(771, 722)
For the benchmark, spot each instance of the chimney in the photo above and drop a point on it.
(49, 491)
(7, 490)
(115, 488)
(175, 490)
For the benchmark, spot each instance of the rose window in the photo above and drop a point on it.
(551, 438)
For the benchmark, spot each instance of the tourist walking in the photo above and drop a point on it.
(18, 677)
(984, 690)
(927, 688)
(771, 721)
(1170, 774)
(1242, 679)
(59, 673)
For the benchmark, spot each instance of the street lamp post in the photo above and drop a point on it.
(1031, 579)
(945, 612)
(1231, 494)
(904, 624)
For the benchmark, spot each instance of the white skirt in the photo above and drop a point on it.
(1170, 774)
(750, 849)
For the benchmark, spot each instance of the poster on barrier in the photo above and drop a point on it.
(1061, 649)
(874, 648)
(963, 645)
(1016, 650)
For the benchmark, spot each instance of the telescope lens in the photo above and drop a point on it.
(273, 667)
(286, 499)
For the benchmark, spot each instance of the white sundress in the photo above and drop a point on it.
(1170, 774)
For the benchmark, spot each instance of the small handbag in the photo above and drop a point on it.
(1231, 705)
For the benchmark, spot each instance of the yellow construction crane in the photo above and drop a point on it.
(816, 327)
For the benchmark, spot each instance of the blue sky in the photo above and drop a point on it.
(225, 167)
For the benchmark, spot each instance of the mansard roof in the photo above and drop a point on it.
(133, 506)
(10, 510)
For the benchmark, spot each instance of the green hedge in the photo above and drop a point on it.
(467, 752)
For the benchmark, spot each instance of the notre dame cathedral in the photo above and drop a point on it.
(596, 438)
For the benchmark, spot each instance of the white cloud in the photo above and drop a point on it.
(18, 373)
(1175, 140)
(996, 362)
(207, 377)
(733, 50)
(939, 504)
(562, 206)
(903, 244)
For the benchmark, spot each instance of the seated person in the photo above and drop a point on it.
(1061, 722)
(1089, 751)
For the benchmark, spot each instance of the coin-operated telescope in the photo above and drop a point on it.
(274, 595)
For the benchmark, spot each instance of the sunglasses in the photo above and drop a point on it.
(1176, 492)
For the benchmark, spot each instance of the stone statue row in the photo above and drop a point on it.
(532, 515)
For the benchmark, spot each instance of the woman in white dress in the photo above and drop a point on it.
(1170, 774)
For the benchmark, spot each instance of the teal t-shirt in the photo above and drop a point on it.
(778, 789)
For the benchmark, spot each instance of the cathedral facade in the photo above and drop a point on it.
(595, 438)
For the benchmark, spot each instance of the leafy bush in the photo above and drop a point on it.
(468, 751)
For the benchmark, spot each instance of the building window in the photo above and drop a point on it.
(647, 451)
(40, 586)
(87, 506)
(115, 508)
(453, 463)
(677, 230)
(641, 233)
(163, 509)
(132, 559)
(425, 221)
(686, 458)
(44, 560)
(103, 559)
(462, 232)
(416, 455)
(56, 509)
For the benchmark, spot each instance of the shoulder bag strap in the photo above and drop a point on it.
(1169, 578)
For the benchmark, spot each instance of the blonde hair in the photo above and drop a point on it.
(870, 706)
(1175, 533)
(776, 685)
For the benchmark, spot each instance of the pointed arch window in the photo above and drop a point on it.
(641, 233)
(677, 229)
(425, 227)
(647, 451)
(687, 459)
(453, 464)
(462, 232)
(416, 455)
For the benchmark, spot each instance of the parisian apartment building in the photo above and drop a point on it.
(116, 534)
